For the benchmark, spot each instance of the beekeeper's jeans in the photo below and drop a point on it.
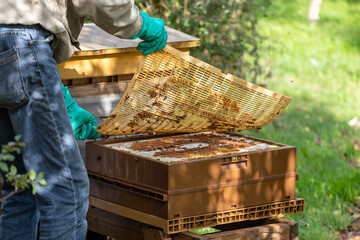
(32, 105)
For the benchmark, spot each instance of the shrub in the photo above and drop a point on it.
(19, 181)
(227, 30)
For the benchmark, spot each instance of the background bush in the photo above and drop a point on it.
(227, 30)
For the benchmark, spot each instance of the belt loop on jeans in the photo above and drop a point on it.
(47, 39)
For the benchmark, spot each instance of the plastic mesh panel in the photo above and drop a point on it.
(242, 214)
(174, 92)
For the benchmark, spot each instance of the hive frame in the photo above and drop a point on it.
(174, 92)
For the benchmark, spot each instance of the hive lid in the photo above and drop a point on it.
(174, 92)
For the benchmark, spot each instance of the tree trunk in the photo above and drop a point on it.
(313, 11)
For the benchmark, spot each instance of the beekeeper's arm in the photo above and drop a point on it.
(122, 18)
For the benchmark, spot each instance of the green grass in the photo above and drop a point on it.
(319, 67)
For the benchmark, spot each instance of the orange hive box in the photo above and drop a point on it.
(178, 176)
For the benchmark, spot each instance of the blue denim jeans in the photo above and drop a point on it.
(32, 105)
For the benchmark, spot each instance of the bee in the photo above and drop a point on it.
(157, 104)
(167, 114)
(152, 93)
(132, 124)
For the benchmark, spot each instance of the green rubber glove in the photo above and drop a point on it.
(83, 123)
(153, 33)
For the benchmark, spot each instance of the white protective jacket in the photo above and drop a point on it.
(65, 18)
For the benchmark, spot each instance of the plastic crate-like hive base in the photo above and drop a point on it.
(205, 220)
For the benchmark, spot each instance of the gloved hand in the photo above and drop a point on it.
(153, 33)
(82, 122)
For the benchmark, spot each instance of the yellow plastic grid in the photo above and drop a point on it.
(174, 92)
(242, 214)
(170, 226)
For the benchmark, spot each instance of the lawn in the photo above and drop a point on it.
(319, 67)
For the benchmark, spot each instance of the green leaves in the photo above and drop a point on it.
(34, 189)
(6, 157)
(207, 230)
(43, 183)
(10, 148)
(13, 169)
(33, 180)
(4, 167)
(227, 31)
(17, 138)
(19, 181)
(32, 175)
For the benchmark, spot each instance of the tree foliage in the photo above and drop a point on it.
(227, 30)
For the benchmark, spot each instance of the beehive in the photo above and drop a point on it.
(191, 170)
(181, 175)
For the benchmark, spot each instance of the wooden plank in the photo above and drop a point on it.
(97, 80)
(99, 106)
(105, 55)
(128, 212)
(294, 228)
(102, 224)
(90, 235)
(99, 89)
(102, 65)
(154, 234)
(116, 226)
(98, 99)
(95, 41)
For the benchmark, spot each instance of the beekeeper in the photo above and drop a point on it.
(35, 36)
